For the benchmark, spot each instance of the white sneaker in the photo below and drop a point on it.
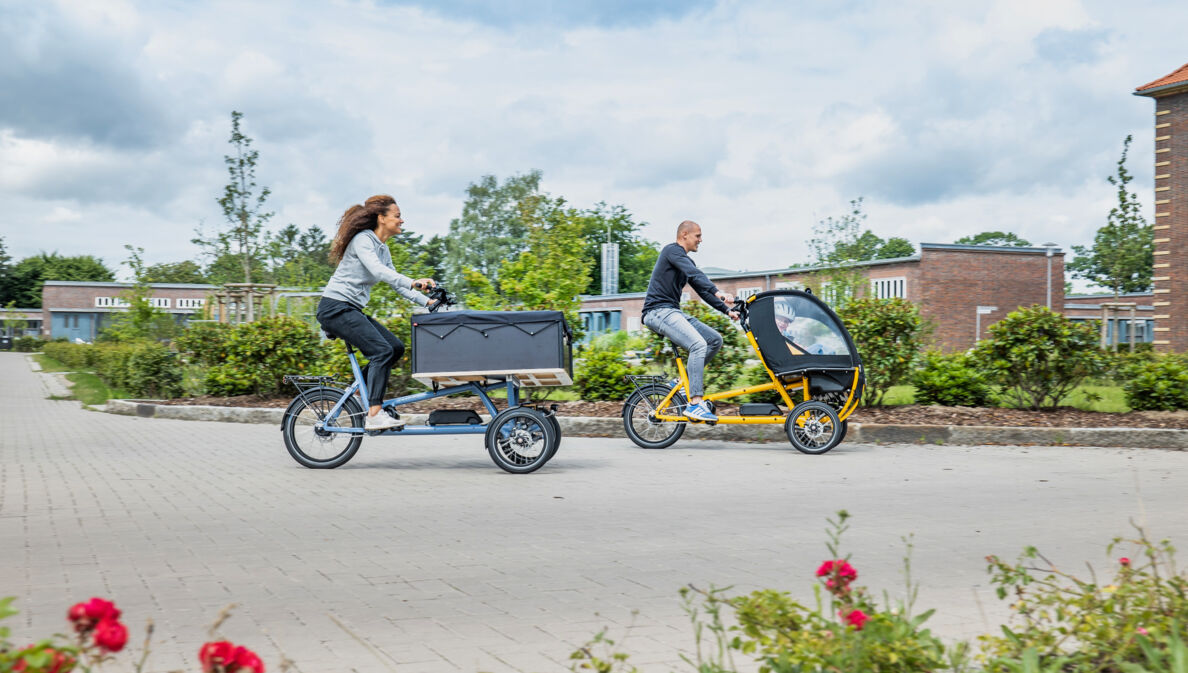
(382, 421)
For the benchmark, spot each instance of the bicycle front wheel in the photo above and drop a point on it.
(639, 413)
(313, 446)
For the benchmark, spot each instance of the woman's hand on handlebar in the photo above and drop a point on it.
(423, 284)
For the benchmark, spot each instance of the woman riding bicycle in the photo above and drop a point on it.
(363, 259)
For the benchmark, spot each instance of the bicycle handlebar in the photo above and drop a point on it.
(441, 297)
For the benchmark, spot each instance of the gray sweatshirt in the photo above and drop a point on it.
(366, 262)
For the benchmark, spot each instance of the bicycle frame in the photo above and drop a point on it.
(783, 389)
(360, 386)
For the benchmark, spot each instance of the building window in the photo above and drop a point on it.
(888, 288)
(159, 302)
(191, 303)
(789, 285)
(111, 302)
(744, 292)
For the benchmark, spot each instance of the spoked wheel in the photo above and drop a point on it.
(312, 446)
(813, 427)
(552, 418)
(639, 417)
(521, 440)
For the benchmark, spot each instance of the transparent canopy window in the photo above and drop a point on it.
(807, 329)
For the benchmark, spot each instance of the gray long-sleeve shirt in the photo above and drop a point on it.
(673, 269)
(366, 262)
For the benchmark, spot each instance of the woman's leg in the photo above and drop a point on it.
(382, 370)
(361, 332)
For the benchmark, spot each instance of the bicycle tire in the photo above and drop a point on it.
(312, 448)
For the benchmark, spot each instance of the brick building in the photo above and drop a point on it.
(80, 309)
(961, 289)
(1171, 208)
(1121, 315)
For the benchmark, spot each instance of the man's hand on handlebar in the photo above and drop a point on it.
(724, 296)
(423, 284)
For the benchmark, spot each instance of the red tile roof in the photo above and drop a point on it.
(1176, 77)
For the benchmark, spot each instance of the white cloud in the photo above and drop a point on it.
(755, 118)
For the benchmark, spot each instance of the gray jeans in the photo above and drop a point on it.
(689, 333)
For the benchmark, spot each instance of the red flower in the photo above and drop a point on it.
(246, 660)
(843, 569)
(111, 635)
(1124, 561)
(215, 654)
(225, 657)
(856, 618)
(61, 663)
(98, 609)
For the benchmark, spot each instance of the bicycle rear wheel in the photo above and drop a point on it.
(313, 447)
(639, 417)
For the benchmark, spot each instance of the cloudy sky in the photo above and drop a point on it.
(755, 118)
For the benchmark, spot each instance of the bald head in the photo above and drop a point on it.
(688, 235)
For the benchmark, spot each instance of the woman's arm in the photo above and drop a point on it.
(368, 256)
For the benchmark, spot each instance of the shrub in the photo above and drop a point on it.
(27, 344)
(79, 356)
(1039, 356)
(726, 367)
(153, 371)
(1158, 384)
(204, 343)
(600, 375)
(951, 381)
(1125, 621)
(111, 364)
(888, 334)
(258, 355)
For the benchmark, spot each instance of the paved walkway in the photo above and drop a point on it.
(439, 561)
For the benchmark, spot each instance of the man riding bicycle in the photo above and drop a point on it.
(662, 311)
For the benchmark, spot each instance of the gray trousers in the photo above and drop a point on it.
(689, 333)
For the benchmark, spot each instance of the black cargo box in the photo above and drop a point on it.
(456, 347)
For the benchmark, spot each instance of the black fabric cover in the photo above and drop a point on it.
(772, 346)
(475, 341)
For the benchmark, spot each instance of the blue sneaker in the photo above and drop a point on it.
(700, 412)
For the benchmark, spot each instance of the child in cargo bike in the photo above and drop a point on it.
(363, 260)
(662, 311)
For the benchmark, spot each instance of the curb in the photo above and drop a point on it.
(868, 433)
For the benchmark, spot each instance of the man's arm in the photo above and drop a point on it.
(701, 283)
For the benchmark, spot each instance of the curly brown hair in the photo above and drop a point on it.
(358, 218)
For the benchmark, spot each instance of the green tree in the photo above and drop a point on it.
(491, 228)
(243, 208)
(888, 334)
(1003, 238)
(300, 258)
(142, 320)
(837, 243)
(1123, 254)
(549, 275)
(185, 271)
(637, 255)
(30, 274)
(6, 289)
(1039, 356)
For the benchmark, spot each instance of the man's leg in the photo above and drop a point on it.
(674, 325)
(713, 340)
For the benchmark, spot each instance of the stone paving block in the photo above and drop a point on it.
(421, 542)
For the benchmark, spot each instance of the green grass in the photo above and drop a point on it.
(89, 389)
(1112, 399)
(49, 364)
(85, 386)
